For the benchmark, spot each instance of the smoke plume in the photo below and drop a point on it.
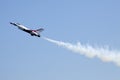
(104, 54)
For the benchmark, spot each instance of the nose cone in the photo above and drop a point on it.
(11, 23)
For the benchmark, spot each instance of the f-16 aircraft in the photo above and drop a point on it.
(32, 32)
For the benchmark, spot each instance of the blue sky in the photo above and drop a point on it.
(23, 57)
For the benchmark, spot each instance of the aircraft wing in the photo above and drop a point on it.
(29, 31)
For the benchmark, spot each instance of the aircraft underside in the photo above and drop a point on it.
(35, 35)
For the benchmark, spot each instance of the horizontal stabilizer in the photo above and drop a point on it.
(40, 30)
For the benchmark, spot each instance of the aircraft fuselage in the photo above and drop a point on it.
(23, 28)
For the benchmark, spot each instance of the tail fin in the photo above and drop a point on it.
(40, 30)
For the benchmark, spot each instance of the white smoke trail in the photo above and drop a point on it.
(105, 55)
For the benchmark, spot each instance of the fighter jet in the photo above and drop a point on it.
(32, 32)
